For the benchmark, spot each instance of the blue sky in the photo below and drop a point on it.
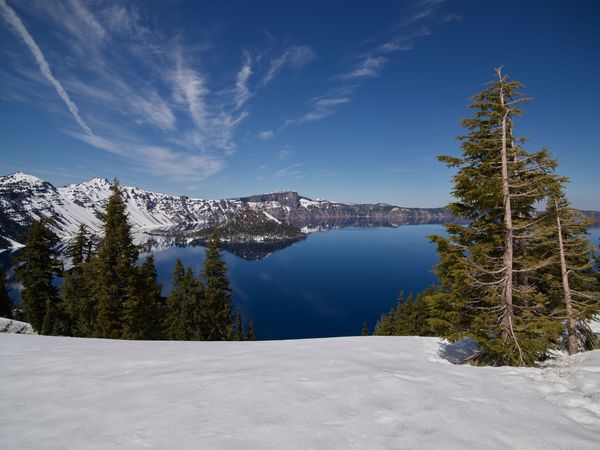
(344, 100)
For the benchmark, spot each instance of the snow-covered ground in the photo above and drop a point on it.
(14, 326)
(342, 393)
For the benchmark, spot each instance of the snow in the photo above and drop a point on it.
(21, 177)
(270, 217)
(15, 326)
(306, 203)
(14, 245)
(353, 392)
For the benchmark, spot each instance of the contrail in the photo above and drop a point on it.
(11, 17)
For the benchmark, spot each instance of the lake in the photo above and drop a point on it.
(326, 285)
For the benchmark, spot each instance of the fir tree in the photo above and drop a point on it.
(114, 268)
(36, 268)
(76, 290)
(216, 306)
(251, 336)
(239, 326)
(174, 303)
(365, 329)
(143, 311)
(486, 266)
(5, 301)
(570, 280)
(409, 318)
(183, 320)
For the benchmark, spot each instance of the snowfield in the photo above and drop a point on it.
(341, 393)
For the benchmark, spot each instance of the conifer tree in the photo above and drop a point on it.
(76, 290)
(570, 281)
(251, 336)
(365, 329)
(486, 266)
(174, 303)
(5, 301)
(36, 268)
(143, 311)
(114, 267)
(409, 318)
(239, 326)
(184, 315)
(216, 308)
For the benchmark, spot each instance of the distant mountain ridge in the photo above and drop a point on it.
(25, 198)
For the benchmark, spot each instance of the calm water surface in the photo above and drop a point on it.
(329, 284)
(326, 285)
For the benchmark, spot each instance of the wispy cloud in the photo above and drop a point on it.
(321, 108)
(284, 153)
(242, 92)
(368, 67)
(295, 56)
(157, 160)
(266, 135)
(17, 25)
(370, 63)
(289, 171)
(188, 88)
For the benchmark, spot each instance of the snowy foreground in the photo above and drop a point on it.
(354, 392)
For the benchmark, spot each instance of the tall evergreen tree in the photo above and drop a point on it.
(5, 301)
(184, 314)
(76, 290)
(114, 267)
(486, 266)
(251, 336)
(570, 280)
(239, 326)
(36, 268)
(217, 307)
(144, 309)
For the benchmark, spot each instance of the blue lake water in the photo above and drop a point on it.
(326, 285)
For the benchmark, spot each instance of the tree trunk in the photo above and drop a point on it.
(507, 259)
(571, 332)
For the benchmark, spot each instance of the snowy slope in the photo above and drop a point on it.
(15, 326)
(355, 392)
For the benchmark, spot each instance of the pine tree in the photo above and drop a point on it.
(174, 303)
(409, 318)
(216, 306)
(36, 268)
(5, 301)
(486, 266)
(570, 280)
(76, 290)
(251, 336)
(184, 314)
(114, 267)
(239, 326)
(143, 311)
(365, 329)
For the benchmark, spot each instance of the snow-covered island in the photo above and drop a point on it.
(352, 392)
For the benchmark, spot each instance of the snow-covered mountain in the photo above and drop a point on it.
(25, 198)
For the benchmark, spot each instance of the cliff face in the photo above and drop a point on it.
(25, 199)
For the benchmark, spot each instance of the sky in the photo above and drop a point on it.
(341, 100)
